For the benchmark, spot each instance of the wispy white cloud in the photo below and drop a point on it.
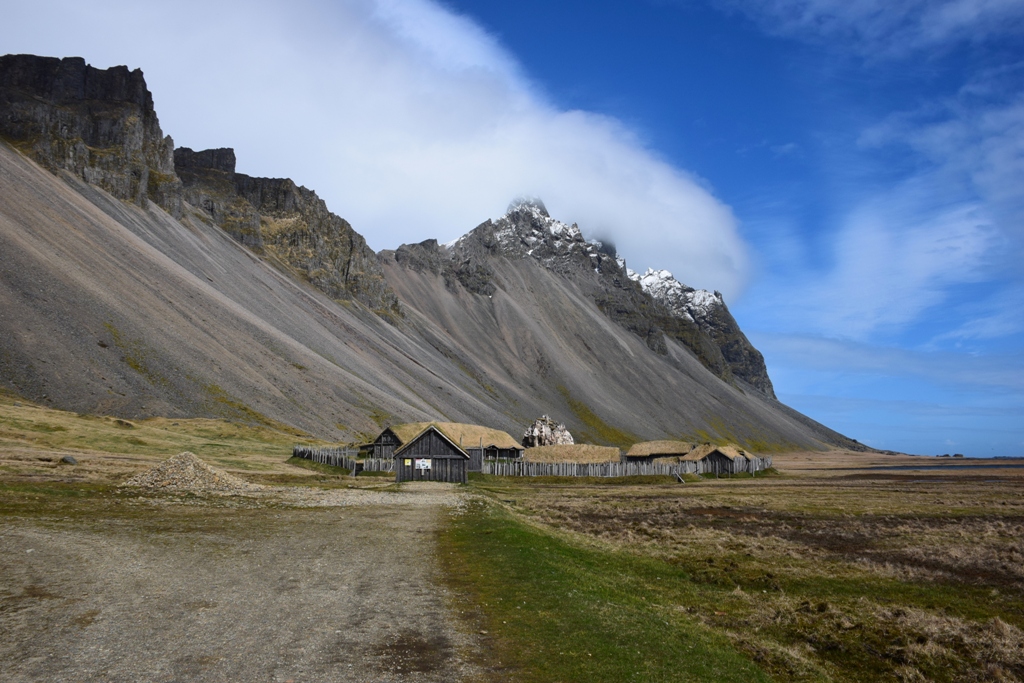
(409, 119)
(901, 253)
(885, 28)
(1003, 372)
(970, 143)
(958, 219)
(895, 257)
(898, 257)
(996, 317)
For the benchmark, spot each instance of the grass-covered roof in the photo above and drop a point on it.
(465, 435)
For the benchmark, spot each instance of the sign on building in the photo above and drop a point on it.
(423, 463)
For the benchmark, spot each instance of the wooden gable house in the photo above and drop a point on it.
(431, 456)
(479, 442)
(384, 445)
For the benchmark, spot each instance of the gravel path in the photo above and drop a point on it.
(298, 585)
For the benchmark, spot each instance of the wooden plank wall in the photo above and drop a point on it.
(441, 469)
(431, 445)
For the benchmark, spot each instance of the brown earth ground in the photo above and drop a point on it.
(291, 583)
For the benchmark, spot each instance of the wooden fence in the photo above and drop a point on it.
(576, 469)
(343, 457)
(378, 464)
(512, 468)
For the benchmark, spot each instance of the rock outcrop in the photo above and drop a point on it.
(546, 432)
(288, 223)
(708, 313)
(98, 124)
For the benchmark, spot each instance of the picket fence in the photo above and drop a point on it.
(576, 469)
(343, 457)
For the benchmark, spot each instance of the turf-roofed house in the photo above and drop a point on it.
(649, 451)
(431, 456)
(711, 459)
(476, 441)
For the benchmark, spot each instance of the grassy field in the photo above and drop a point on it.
(34, 438)
(809, 580)
(559, 611)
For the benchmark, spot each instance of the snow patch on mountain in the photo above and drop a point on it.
(686, 302)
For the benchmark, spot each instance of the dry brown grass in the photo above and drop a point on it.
(33, 439)
(583, 453)
(843, 463)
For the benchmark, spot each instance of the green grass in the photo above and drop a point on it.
(557, 611)
(784, 585)
(382, 475)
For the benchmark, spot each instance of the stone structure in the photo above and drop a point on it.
(546, 432)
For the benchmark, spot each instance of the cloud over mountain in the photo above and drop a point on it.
(408, 119)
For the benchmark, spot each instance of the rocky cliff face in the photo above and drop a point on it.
(100, 125)
(650, 306)
(288, 223)
(97, 124)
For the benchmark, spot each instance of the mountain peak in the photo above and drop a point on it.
(532, 204)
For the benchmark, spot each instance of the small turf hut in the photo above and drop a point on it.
(757, 463)
(647, 451)
(431, 456)
(479, 442)
(711, 459)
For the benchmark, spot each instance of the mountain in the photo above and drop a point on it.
(137, 279)
(654, 308)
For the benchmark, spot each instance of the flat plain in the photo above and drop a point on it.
(837, 566)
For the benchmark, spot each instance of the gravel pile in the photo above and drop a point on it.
(186, 472)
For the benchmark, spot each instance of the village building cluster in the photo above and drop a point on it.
(449, 451)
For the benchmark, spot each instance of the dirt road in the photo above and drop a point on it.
(162, 589)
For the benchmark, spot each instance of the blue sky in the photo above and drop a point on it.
(874, 159)
(849, 174)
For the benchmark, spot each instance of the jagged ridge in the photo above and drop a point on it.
(100, 125)
(707, 310)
